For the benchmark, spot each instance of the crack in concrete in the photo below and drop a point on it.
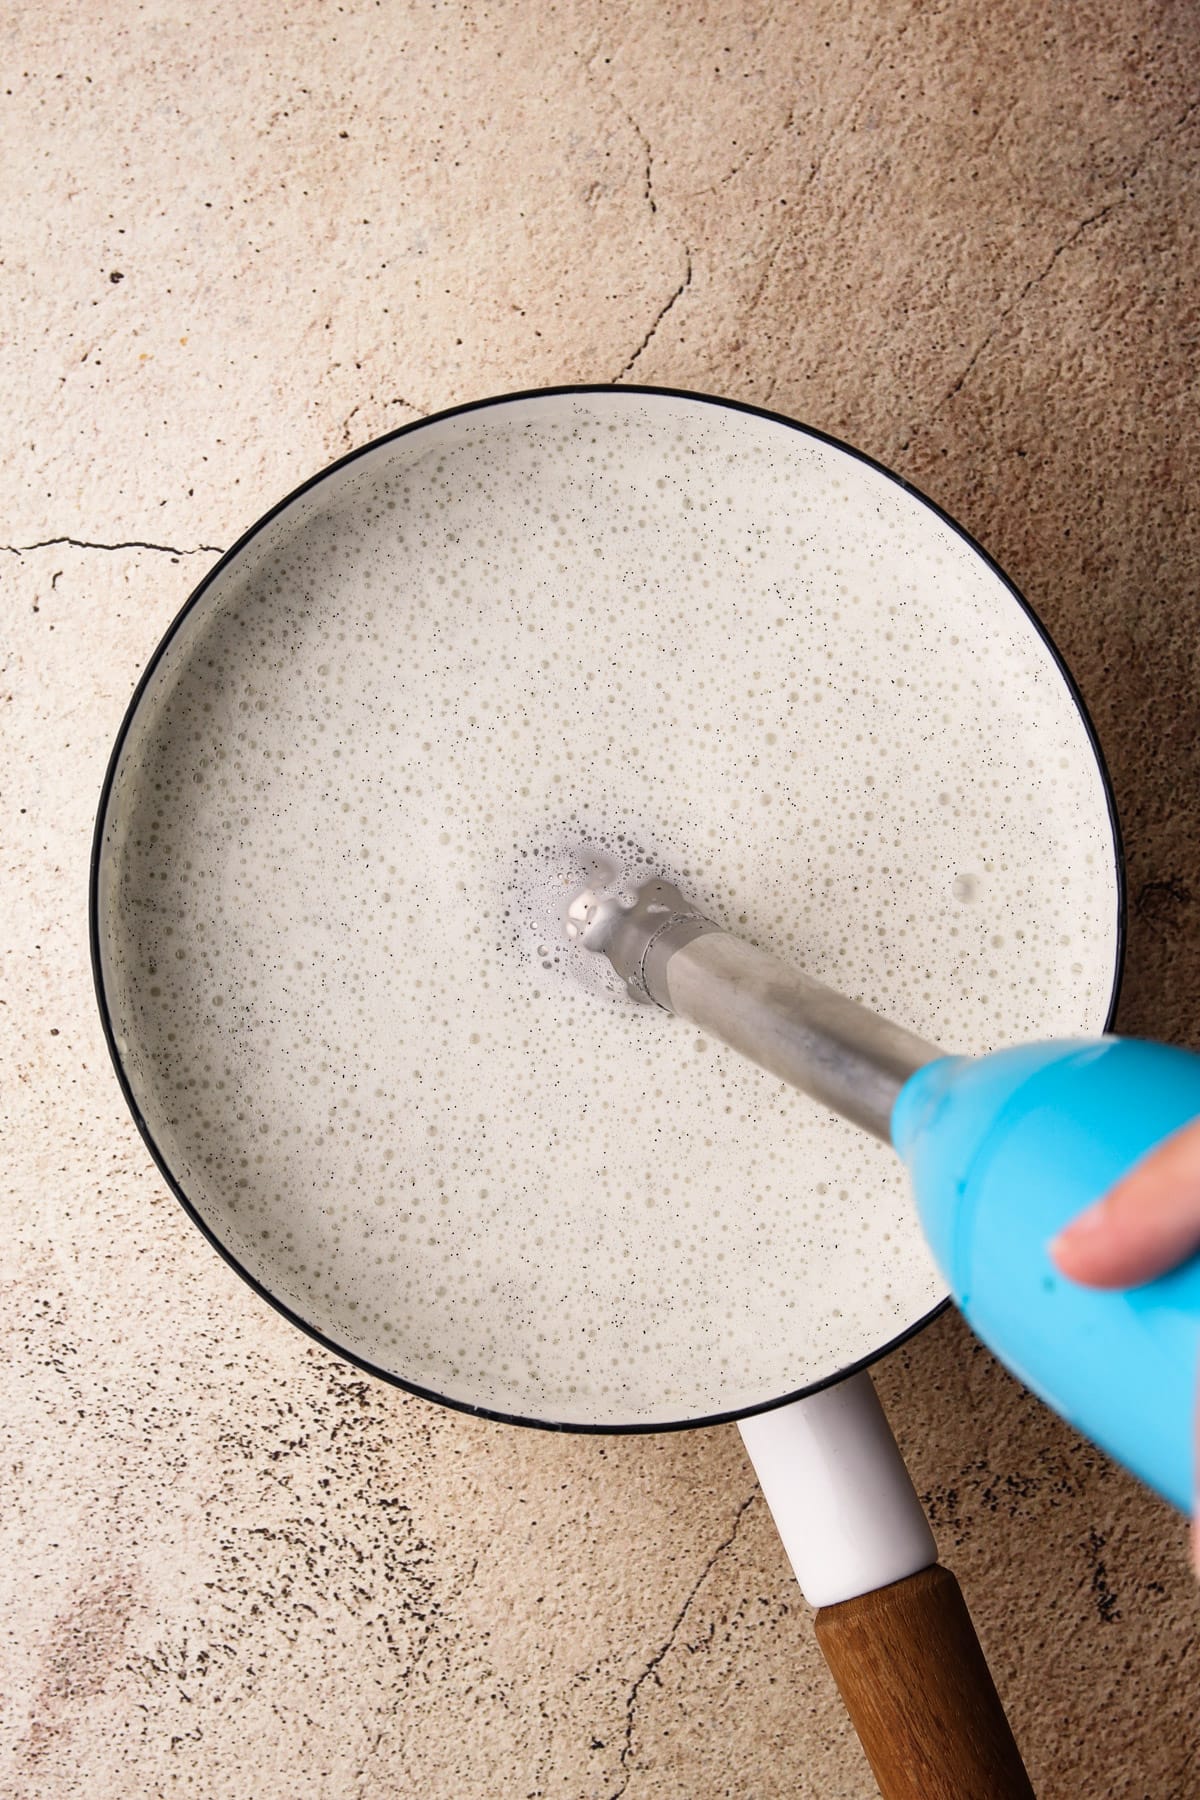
(648, 195)
(754, 155)
(872, 68)
(1034, 281)
(764, 149)
(129, 544)
(648, 170)
(644, 141)
(767, 270)
(1096, 218)
(792, 224)
(660, 315)
(651, 1667)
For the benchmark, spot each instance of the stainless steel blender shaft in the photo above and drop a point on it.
(805, 1033)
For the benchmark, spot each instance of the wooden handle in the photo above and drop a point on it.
(920, 1694)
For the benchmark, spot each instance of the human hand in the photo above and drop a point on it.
(1148, 1223)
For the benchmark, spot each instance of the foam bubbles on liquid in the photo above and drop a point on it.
(546, 879)
(701, 644)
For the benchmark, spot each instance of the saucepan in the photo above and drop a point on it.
(690, 636)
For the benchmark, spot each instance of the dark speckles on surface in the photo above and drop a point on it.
(1164, 905)
(83, 1649)
(1107, 1609)
(86, 1642)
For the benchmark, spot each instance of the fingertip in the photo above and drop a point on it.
(1072, 1250)
(1055, 1251)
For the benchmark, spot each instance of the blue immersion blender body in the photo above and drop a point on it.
(1003, 1151)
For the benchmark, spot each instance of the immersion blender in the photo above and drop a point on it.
(1002, 1150)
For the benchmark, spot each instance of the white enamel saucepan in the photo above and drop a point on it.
(716, 645)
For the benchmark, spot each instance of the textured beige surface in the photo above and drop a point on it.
(241, 239)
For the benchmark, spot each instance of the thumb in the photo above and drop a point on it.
(1146, 1224)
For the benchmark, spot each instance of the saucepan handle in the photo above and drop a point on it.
(892, 1624)
(919, 1692)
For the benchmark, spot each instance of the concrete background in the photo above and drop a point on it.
(239, 239)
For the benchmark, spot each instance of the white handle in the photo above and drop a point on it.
(843, 1501)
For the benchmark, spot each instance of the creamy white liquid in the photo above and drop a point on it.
(674, 630)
